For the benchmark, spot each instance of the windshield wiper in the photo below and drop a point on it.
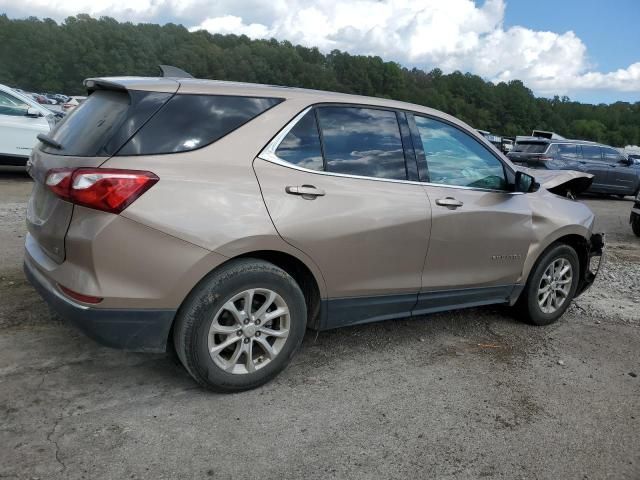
(49, 141)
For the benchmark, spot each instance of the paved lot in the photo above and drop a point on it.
(466, 394)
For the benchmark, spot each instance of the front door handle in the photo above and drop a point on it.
(449, 202)
(306, 191)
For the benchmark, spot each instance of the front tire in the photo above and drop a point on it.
(551, 286)
(241, 326)
(635, 225)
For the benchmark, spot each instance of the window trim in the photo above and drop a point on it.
(268, 153)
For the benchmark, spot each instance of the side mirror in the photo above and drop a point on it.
(626, 161)
(33, 112)
(525, 183)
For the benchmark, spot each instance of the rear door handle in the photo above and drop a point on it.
(449, 202)
(305, 191)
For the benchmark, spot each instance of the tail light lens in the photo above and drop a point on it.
(109, 190)
(79, 296)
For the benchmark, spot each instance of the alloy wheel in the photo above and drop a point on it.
(555, 285)
(249, 331)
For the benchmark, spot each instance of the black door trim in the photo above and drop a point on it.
(342, 312)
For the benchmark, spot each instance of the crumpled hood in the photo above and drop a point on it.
(561, 182)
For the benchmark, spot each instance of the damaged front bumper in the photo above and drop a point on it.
(595, 257)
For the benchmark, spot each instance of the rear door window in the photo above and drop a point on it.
(362, 141)
(456, 158)
(301, 146)
(568, 151)
(591, 152)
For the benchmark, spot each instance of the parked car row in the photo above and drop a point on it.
(67, 102)
(614, 173)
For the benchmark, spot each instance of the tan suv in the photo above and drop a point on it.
(223, 219)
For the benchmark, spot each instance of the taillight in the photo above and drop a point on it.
(59, 181)
(109, 190)
(79, 296)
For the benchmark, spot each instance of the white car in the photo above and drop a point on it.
(21, 120)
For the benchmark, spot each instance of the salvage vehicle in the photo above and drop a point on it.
(223, 219)
(613, 172)
(21, 120)
(634, 219)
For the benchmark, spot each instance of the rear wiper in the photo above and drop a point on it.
(49, 141)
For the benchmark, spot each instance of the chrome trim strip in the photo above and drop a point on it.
(268, 154)
(270, 149)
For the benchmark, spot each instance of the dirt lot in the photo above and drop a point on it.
(466, 394)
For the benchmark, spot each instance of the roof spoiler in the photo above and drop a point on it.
(175, 72)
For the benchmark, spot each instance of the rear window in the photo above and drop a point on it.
(143, 123)
(530, 147)
(86, 131)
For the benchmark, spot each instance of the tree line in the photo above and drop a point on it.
(44, 56)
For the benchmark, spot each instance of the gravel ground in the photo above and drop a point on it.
(465, 394)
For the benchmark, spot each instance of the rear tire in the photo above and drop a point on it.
(241, 326)
(551, 286)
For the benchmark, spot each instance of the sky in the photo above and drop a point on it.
(586, 49)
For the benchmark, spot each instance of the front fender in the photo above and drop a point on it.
(554, 218)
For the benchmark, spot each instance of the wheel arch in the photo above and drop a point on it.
(577, 241)
(308, 278)
(301, 273)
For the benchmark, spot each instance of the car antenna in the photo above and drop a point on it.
(171, 71)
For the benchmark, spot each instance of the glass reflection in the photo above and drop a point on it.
(301, 146)
(362, 141)
(455, 158)
(194, 120)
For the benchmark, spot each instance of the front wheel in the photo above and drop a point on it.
(240, 326)
(551, 286)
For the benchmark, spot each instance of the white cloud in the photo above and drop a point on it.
(232, 24)
(451, 35)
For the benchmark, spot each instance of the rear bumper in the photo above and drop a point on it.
(138, 330)
(596, 251)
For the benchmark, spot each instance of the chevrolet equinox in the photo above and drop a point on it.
(223, 219)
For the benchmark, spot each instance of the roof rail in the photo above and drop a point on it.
(175, 72)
